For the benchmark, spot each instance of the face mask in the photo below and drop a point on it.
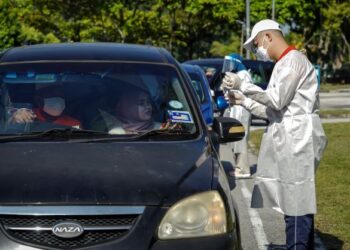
(261, 52)
(54, 106)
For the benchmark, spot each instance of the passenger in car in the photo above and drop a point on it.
(50, 105)
(133, 113)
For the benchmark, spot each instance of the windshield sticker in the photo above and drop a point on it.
(175, 104)
(180, 116)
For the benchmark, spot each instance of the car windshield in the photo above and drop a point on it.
(109, 98)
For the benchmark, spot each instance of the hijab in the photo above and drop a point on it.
(127, 110)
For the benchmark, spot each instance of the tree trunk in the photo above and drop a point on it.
(347, 45)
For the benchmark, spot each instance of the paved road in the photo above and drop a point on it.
(335, 100)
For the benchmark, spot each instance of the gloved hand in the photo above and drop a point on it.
(235, 97)
(231, 81)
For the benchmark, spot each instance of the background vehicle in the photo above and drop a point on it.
(341, 75)
(260, 71)
(201, 86)
(63, 187)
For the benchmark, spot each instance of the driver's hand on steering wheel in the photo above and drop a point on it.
(22, 115)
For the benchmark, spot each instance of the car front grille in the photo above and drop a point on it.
(97, 229)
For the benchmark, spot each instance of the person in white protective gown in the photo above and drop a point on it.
(233, 63)
(294, 140)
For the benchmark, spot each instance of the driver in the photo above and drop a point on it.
(50, 104)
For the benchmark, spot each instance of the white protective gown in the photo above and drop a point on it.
(294, 140)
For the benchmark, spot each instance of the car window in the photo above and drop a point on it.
(115, 98)
(197, 86)
(209, 71)
(258, 74)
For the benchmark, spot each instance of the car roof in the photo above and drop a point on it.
(219, 61)
(206, 61)
(192, 68)
(86, 52)
(253, 63)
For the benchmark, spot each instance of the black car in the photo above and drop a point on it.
(341, 75)
(85, 166)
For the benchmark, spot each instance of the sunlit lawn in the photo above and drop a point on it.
(333, 187)
(326, 87)
(335, 113)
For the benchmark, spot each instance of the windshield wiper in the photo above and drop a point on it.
(162, 133)
(54, 134)
(152, 134)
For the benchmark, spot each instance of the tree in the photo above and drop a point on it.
(194, 24)
(219, 49)
(187, 28)
(319, 26)
(10, 27)
(334, 35)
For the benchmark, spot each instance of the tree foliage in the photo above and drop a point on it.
(187, 28)
(10, 26)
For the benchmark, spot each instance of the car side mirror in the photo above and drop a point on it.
(227, 130)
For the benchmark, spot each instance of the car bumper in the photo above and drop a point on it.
(218, 242)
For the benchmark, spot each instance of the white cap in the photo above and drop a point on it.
(262, 25)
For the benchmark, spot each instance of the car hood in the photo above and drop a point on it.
(137, 173)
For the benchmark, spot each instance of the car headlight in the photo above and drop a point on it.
(198, 215)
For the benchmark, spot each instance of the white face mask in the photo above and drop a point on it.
(54, 106)
(261, 52)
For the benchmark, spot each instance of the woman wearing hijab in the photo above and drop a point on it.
(133, 113)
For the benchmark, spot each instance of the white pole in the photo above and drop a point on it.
(242, 35)
(247, 7)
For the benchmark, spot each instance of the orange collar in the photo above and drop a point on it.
(286, 52)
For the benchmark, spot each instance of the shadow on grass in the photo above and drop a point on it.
(329, 241)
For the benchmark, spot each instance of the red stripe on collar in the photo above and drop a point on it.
(286, 52)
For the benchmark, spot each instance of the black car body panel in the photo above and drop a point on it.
(85, 51)
(103, 173)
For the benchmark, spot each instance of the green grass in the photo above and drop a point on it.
(255, 138)
(333, 187)
(335, 113)
(326, 87)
